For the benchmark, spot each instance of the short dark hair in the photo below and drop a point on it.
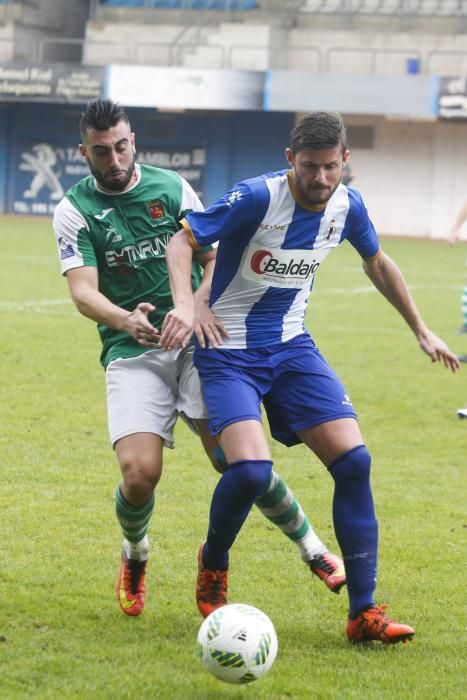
(319, 130)
(101, 113)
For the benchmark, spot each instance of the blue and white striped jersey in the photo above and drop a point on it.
(270, 248)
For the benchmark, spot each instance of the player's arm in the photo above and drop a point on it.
(388, 279)
(178, 324)
(207, 329)
(84, 289)
(456, 227)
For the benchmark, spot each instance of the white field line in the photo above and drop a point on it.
(39, 306)
(417, 272)
(368, 289)
(44, 306)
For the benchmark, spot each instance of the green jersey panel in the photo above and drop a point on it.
(125, 235)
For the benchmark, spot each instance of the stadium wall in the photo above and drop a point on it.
(211, 149)
(412, 173)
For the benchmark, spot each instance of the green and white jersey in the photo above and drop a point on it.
(125, 235)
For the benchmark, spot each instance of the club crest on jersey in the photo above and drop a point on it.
(156, 209)
(278, 267)
(330, 230)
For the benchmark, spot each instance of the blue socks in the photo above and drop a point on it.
(232, 500)
(354, 518)
(355, 525)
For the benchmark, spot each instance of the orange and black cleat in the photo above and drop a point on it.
(330, 569)
(373, 625)
(211, 587)
(131, 585)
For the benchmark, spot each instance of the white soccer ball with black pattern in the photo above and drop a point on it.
(237, 643)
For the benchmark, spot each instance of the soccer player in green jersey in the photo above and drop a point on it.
(112, 230)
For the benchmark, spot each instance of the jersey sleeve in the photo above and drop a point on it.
(72, 236)
(361, 233)
(223, 217)
(190, 200)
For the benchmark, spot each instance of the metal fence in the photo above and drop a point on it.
(190, 36)
(313, 58)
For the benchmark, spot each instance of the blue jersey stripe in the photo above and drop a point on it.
(270, 248)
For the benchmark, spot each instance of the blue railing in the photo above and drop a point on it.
(185, 4)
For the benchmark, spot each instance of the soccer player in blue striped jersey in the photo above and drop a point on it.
(274, 233)
(112, 230)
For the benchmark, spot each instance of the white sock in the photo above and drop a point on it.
(137, 550)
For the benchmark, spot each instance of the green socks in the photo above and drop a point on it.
(280, 506)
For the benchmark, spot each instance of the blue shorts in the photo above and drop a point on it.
(293, 380)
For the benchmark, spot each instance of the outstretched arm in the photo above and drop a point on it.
(388, 279)
(84, 290)
(456, 227)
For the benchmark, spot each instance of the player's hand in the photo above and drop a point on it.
(177, 328)
(453, 237)
(207, 329)
(140, 328)
(438, 350)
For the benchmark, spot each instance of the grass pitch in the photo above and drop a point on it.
(61, 632)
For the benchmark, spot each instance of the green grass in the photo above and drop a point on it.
(62, 635)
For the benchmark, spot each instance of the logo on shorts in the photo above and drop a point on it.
(346, 401)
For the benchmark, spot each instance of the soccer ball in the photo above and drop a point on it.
(237, 643)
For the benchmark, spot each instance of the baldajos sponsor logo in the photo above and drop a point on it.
(263, 262)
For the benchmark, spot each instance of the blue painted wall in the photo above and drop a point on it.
(39, 158)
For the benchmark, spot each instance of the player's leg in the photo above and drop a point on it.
(233, 399)
(140, 459)
(308, 403)
(247, 476)
(339, 445)
(141, 413)
(280, 506)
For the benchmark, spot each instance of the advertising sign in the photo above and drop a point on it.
(188, 162)
(452, 100)
(43, 171)
(54, 82)
(183, 88)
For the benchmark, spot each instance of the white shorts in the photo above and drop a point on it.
(146, 394)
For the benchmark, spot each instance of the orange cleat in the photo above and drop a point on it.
(211, 587)
(330, 569)
(131, 585)
(373, 625)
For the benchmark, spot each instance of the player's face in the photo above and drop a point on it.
(111, 156)
(317, 173)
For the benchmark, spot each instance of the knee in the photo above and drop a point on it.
(354, 464)
(253, 476)
(140, 475)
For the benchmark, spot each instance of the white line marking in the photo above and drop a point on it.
(39, 306)
(42, 306)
